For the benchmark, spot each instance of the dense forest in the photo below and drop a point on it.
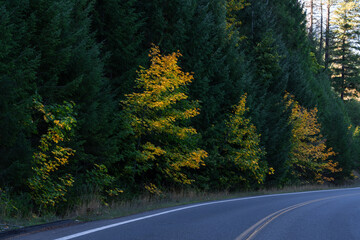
(120, 98)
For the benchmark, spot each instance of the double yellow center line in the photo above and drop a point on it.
(251, 232)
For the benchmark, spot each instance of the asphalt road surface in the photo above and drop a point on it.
(330, 214)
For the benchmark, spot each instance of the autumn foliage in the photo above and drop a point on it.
(310, 158)
(243, 147)
(159, 113)
(48, 188)
(180, 122)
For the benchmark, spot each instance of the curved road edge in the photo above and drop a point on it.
(164, 212)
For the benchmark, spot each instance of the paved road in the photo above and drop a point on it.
(331, 214)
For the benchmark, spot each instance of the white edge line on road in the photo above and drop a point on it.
(188, 207)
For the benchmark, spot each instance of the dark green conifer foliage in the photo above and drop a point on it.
(311, 86)
(71, 69)
(219, 73)
(345, 56)
(204, 53)
(18, 65)
(97, 110)
(268, 81)
(166, 23)
(88, 51)
(353, 109)
(198, 30)
(296, 59)
(118, 25)
(281, 59)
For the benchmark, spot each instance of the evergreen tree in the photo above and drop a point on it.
(18, 65)
(205, 55)
(87, 51)
(269, 112)
(328, 34)
(118, 24)
(70, 69)
(344, 56)
(219, 76)
(166, 23)
(269, 78)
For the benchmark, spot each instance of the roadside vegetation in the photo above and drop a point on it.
(115, 107)
(93, 208)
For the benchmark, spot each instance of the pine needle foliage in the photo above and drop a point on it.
(345, 47)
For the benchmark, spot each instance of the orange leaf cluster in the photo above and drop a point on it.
(310, 157)
(159, 113)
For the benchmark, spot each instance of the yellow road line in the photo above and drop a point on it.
(257, 227)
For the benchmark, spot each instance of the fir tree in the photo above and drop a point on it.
(344, 56)
(268, 111)
(219, 71)
(118, 25)
(166, 23)
(269, 79)
(18, 65)
(71, 69)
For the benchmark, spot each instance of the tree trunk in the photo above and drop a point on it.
(343, 70)
(321, 28)
(327, 35)
(311, 18)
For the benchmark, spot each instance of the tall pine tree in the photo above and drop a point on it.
(344, 57)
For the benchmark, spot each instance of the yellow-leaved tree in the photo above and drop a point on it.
(159, 113)
(309, 156)
(242, 149)
(48, 187)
